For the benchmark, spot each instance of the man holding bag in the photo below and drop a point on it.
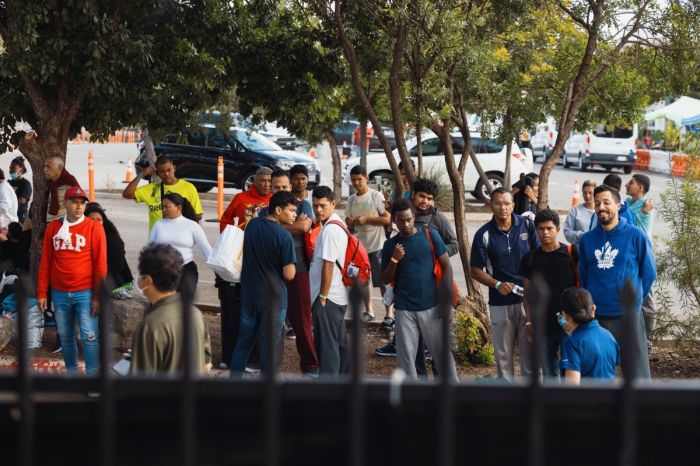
(245, 205)
(408, 260)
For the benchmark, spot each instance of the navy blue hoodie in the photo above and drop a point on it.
(608, 259)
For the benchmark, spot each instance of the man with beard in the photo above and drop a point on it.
(613, 253)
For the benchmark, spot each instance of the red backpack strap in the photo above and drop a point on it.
(570, 250)
(430, 240)
(347, 232)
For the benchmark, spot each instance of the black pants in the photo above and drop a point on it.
(189, 275)
(230, 309)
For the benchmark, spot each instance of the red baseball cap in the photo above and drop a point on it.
(76, 192)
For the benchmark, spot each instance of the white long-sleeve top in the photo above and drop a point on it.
(577, 223)
(8, 204)
(182, 234)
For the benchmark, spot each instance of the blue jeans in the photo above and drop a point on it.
(253, 327)
(69, 307)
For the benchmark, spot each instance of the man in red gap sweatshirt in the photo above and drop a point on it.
(73, 263)
(245, 205)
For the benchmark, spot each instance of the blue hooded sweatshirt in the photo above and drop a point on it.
(607, 259)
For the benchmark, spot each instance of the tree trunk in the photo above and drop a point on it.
(37, 147)
(506, 171)
(474, 296)
(419, 148)
(363, 142)
(351, 56)
(335, 157)
(508, 128)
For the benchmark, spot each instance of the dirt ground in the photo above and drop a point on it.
(666, 362)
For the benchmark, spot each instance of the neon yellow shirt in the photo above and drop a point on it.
(150, 194)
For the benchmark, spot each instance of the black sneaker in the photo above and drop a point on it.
(56, 348)
(387, 351)
(290, 335)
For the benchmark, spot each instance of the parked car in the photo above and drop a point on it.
(278, 135)
(490, 154)
(609, 148)
(196, 150)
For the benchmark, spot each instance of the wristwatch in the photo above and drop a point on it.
(498, 284)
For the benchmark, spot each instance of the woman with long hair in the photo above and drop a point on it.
(117, 268)
(179, 229)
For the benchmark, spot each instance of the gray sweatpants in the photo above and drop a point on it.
(649, 311)
(331, 338)
(410, 326)
(507, 325)
(640, 363)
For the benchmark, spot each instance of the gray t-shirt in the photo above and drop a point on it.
(370, 203)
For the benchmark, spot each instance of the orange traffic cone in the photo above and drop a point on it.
(577, 194)
(129, 176)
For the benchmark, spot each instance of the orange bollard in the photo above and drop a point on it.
(312, 153)
(577, 194)
(220, 188)
(91, 176)
(129, 176)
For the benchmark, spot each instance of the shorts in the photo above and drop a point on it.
(375, 264)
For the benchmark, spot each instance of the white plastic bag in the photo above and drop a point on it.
(226, 258)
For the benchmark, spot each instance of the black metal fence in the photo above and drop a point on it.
(204, 421)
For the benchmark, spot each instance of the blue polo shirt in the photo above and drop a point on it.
(501, 252)
(592, 351)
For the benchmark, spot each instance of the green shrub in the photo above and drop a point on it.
(444, 200)
(469, 339)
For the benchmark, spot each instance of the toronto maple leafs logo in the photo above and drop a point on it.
(606, 256)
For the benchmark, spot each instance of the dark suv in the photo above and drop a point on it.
(196, 150)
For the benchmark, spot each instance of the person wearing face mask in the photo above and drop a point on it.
(179, 229)
(117, 267)
(22, 187)
(73, 264)
(158, 342)
(8, 203)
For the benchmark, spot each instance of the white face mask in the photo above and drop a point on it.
(137, 287)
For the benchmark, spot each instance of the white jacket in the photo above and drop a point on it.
(8, 204)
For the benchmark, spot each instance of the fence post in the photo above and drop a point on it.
(26, 422)
(188, 407)
(220, 188)
(107, 408)
(447, 398)
(91, 176)
(628, 395)
(537, 296)
(357, 387)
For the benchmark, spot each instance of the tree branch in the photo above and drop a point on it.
(576, 18)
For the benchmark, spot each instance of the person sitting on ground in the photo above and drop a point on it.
(14, 250)
(179, 229)
(117, 268)
(158, 343)
(22, 187)
(8, 203)
(591, 351)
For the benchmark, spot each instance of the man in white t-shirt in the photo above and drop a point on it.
(366, 216)
(328, 293)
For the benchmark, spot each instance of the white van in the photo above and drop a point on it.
(608, 147)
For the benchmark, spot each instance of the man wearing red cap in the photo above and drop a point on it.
(73, 263)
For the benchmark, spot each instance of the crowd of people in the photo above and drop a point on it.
(295, 271)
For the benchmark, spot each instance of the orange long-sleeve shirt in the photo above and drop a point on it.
(245, 205)
(78, 265)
